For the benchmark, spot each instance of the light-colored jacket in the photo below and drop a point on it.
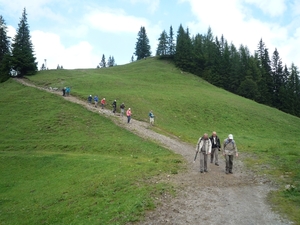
(202, 142)
(229, 148)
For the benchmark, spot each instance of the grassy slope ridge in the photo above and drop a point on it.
(187, 106)
(62, 164)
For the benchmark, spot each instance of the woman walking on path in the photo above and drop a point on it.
(128, 114)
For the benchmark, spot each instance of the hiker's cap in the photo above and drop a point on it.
(90, 95)
(230, 136)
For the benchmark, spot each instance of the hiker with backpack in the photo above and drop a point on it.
(64, 91)
(90, 99)
(204, 149)
(114, 105)
(215, 148)
(229, 149)
(96, 99)
(151, 116)
(122, 107)
(68, 90)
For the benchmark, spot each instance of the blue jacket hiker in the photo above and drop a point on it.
(96, 100)
(151, 116)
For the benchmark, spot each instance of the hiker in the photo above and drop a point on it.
(68, 90)
(122, 107)
(96, 99)
(215, 148)
(114, 104)
(151, 116)
(64, 91)
(204, 149)
(128, 114)
(103, 102)
(229, 149)
(90, 99)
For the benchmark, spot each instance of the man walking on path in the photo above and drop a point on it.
(64, 91)
(96, 99)
(103, 102)
(215, 148)
(203, 148)
(229, 149)
(122, 107)
(128, 114)
(151, 116)
(114, 106)
(68, 90)
(90, 99)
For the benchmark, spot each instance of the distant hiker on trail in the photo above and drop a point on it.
(96, 100)
(128, 114)
(64, 91)
(114, 104)
(122, 107)
(103, 103)
(215, 148)
(229, 149)
(151, 116)
(90, 98)
(68, 90)
(203, 148)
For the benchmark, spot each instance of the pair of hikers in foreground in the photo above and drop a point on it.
(211, 146)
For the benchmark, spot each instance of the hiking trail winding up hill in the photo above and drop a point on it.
(207, 198)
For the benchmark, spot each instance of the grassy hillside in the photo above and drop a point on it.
(62, 164)
(187, 106)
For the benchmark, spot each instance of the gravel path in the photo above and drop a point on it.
(208, 198)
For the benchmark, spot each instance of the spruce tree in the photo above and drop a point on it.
(4, 52)
(23, 60)
(162, 48)
(142, 48)
(278, 79)
(103, 62)
(171, 43)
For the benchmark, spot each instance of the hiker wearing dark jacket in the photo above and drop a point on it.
(229, 149)
(90, 98)
(203, 148)
(114, 104)
(215, 148)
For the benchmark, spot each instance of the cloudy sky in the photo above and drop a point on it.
(76, 33)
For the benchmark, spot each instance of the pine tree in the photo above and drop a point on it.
(278, 79)
(142, 48)
(132, 59)
(171, 43)
(110, 61)
(4, 52)
(103, 62)
(23, 60)
(162, 48)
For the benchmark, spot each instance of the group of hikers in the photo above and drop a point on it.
(211, 146)
(114, 106)
(66, 91)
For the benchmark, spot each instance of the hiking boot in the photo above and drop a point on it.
(206, 171)
(231, 172)
(201, 171)
(217, 164)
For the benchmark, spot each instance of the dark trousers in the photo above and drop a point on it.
(229, 163)
(114, 109)
(128, 119)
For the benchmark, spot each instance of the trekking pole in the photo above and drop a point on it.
(195, 156)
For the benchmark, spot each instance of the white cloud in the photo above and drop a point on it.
(114, 20)
(153, 4)
(272, 8)
(48, 46)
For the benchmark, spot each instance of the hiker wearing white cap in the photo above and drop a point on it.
(229, 149)
(90, 98)
(204, 149)
(103, 102)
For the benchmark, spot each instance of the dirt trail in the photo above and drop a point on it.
(208, 198)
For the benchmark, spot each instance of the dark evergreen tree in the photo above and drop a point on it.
(162, 48)
(184, 50)
(142, 48)
(132, 59)
(58, 67)
(111, 61)
(278, 79)
(103, 62)
(23, 60)
(4, 52)
(199, 60)
(171, 43)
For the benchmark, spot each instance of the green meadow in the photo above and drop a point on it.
(62, 164)
(186, 106)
